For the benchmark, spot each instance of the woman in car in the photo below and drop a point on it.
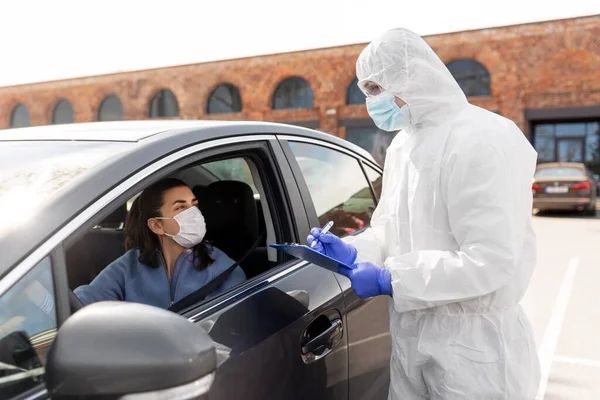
(167, 257)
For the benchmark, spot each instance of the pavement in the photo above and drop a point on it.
(563, 304)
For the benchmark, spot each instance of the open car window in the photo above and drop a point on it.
(231, 196)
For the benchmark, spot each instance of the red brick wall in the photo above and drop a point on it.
(542, 65)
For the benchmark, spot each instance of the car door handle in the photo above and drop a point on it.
(324, 340)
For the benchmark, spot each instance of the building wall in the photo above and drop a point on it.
(541, 65)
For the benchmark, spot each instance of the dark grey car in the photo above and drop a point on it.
(293, 330)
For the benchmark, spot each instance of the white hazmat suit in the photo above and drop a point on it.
(453, 227)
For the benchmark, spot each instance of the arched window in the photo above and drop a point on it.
(224, 99)
(163, 105)
(63, 113)
(354, 95)
(19, 117)
(111, 109)
(293, 93)
(472, 77)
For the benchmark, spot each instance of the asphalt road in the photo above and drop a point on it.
(563, 304)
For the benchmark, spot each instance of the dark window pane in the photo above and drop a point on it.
(293, 93)
(545, 148)
(19, 117)
(544, 129)
(63, 113)
(472, 77)
(27, 330)
(224, 99)
(354, 94)
(163, 105)
(373, 140)
(570, 150)
(592, 152)
(593, 128)
(110, 109)
(570, 130)
(338, 187)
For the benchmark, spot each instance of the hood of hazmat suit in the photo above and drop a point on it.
(453, 227)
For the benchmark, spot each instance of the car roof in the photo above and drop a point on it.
(121, 131)
(149, 141)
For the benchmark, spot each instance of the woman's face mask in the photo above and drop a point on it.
(192, 227)
(386, 114)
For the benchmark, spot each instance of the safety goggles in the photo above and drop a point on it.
(370, 88)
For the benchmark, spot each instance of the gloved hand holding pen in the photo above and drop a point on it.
(321, 240)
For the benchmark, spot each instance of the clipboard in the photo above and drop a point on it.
(306, 253)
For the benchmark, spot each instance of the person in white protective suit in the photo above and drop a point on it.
(451, 239)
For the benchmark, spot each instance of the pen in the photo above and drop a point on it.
(325, 229)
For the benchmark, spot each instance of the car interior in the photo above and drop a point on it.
(231, 197)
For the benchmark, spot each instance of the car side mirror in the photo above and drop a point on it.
(129, 350)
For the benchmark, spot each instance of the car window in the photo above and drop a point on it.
(560, 172)
(376, 179)
(27, 329)
(235, 169)
(338, 187)
(238, 223)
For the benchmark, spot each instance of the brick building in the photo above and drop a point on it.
(545, 76)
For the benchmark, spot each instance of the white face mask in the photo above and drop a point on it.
(192, 227)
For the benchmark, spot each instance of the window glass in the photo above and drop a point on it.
(592, 151)
(376, 180)
(27, 330)
(372, 139)
(163, 105)
(293, 93)
(224, 99)
(570, 129)
(235, 169)
(63, 113)
(20, 117)
(560, 173)
(354, 94)
(472, 77)
(338, 187)
(111, 109)
(570, 150)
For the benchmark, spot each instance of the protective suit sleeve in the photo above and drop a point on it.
(487, 199)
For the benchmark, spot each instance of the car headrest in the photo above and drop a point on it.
(229, 209)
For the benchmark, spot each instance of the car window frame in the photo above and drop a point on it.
(301, 181)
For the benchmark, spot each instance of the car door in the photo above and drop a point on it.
(282, 334)
(279, 335)
(339, 185)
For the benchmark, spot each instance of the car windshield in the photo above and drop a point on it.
(560, 172)
(33, 172)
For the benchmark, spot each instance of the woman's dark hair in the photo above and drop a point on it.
(139, 236)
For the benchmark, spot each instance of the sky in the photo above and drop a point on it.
(59, 39)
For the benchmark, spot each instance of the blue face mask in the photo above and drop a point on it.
(386, 114)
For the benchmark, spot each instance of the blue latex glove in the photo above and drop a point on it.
(332, 246)
(368, 280)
